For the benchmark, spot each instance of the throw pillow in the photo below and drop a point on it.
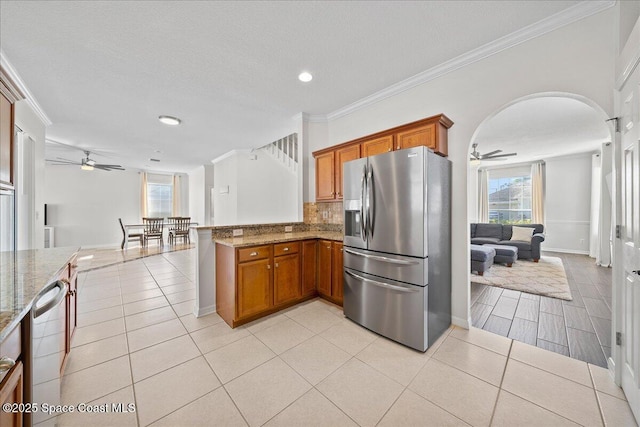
(521, 233)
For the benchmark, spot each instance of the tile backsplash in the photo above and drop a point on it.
(323, 213)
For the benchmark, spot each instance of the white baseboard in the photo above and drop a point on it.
(461, 322)
(203, 311)
(566, 251)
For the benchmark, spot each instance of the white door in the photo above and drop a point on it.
(630, 236)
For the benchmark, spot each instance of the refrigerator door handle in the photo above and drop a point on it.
(371, 211)
(382, 258)
(363, 190)
(382, 284)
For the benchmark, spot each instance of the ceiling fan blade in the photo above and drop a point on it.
(500, 155)
(61, 162)
(106, 166)
(491, 153)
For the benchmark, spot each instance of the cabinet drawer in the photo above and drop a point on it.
(254, 253)
(286, 248)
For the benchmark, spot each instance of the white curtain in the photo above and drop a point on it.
(604, 238)
(483, 195)
(144, 210)
(176, 196)
(537, 192)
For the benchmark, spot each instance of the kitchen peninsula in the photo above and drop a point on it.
(23, 276)
(282, 268)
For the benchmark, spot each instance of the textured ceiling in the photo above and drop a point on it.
(103, 71)
(540, 128)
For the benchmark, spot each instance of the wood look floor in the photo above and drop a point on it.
(580, 329)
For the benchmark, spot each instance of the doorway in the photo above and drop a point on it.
(567, 137)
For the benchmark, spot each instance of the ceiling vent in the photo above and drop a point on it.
(154, 160)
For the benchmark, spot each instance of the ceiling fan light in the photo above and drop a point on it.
(475, 162)
(90, 162)
(169, 120)
(86, 167)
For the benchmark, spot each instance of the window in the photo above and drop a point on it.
(159, 196)
(510, 196)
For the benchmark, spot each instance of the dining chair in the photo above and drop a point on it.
(181, 229)
(153, 228)
(132, 236)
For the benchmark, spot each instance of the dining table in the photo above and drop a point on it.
(140, 227)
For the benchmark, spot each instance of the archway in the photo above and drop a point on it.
(562, 131)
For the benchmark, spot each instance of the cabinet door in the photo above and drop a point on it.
(254, 287)
(11, 391)
(325, 188)
(286, 279)
(423, 135)
(309, 266)
(377, 146)
(6, 136)
(324, 267)
(336, 270)
(344, 155)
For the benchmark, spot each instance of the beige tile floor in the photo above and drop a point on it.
(137, 342)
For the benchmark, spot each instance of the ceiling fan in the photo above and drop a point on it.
(493, 155)
(85, 163)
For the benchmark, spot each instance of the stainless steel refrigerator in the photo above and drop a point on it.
(397, 237)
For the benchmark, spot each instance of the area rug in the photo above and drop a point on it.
(546, 277)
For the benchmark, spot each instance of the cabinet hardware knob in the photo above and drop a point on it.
(276, 265)
(268, 267)
(253, 254)
(285, 249)
(398, 147)
(6, 363)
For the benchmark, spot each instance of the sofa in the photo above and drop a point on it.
(499, 234)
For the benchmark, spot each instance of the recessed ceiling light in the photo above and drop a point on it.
(305, 77)
(168, 120)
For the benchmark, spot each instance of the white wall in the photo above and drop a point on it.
(568, 204)
(267, 191)
(196, 195)
(225, 199)
(577, 58)
(84, 206)
(33, 127)
(260, 190)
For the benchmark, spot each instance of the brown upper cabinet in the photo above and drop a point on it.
(9, 95)
(377, 146)
(6, 140)
(329, 172)
(430, 132)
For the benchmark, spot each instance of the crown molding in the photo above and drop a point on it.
(28, 96)
(560, 19)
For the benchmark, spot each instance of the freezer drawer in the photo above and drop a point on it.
(393, 309)
(396, 267)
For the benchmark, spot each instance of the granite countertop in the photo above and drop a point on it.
(23, 274)
(264, 239)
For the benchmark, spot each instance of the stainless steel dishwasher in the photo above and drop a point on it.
(47, 346)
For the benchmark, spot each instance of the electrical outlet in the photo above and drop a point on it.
(581, 242)
(288, 228)
(325, 214)
(237, 232)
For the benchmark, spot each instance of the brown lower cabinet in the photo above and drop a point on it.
(330, 283)
(12, 380)
(252, 282)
